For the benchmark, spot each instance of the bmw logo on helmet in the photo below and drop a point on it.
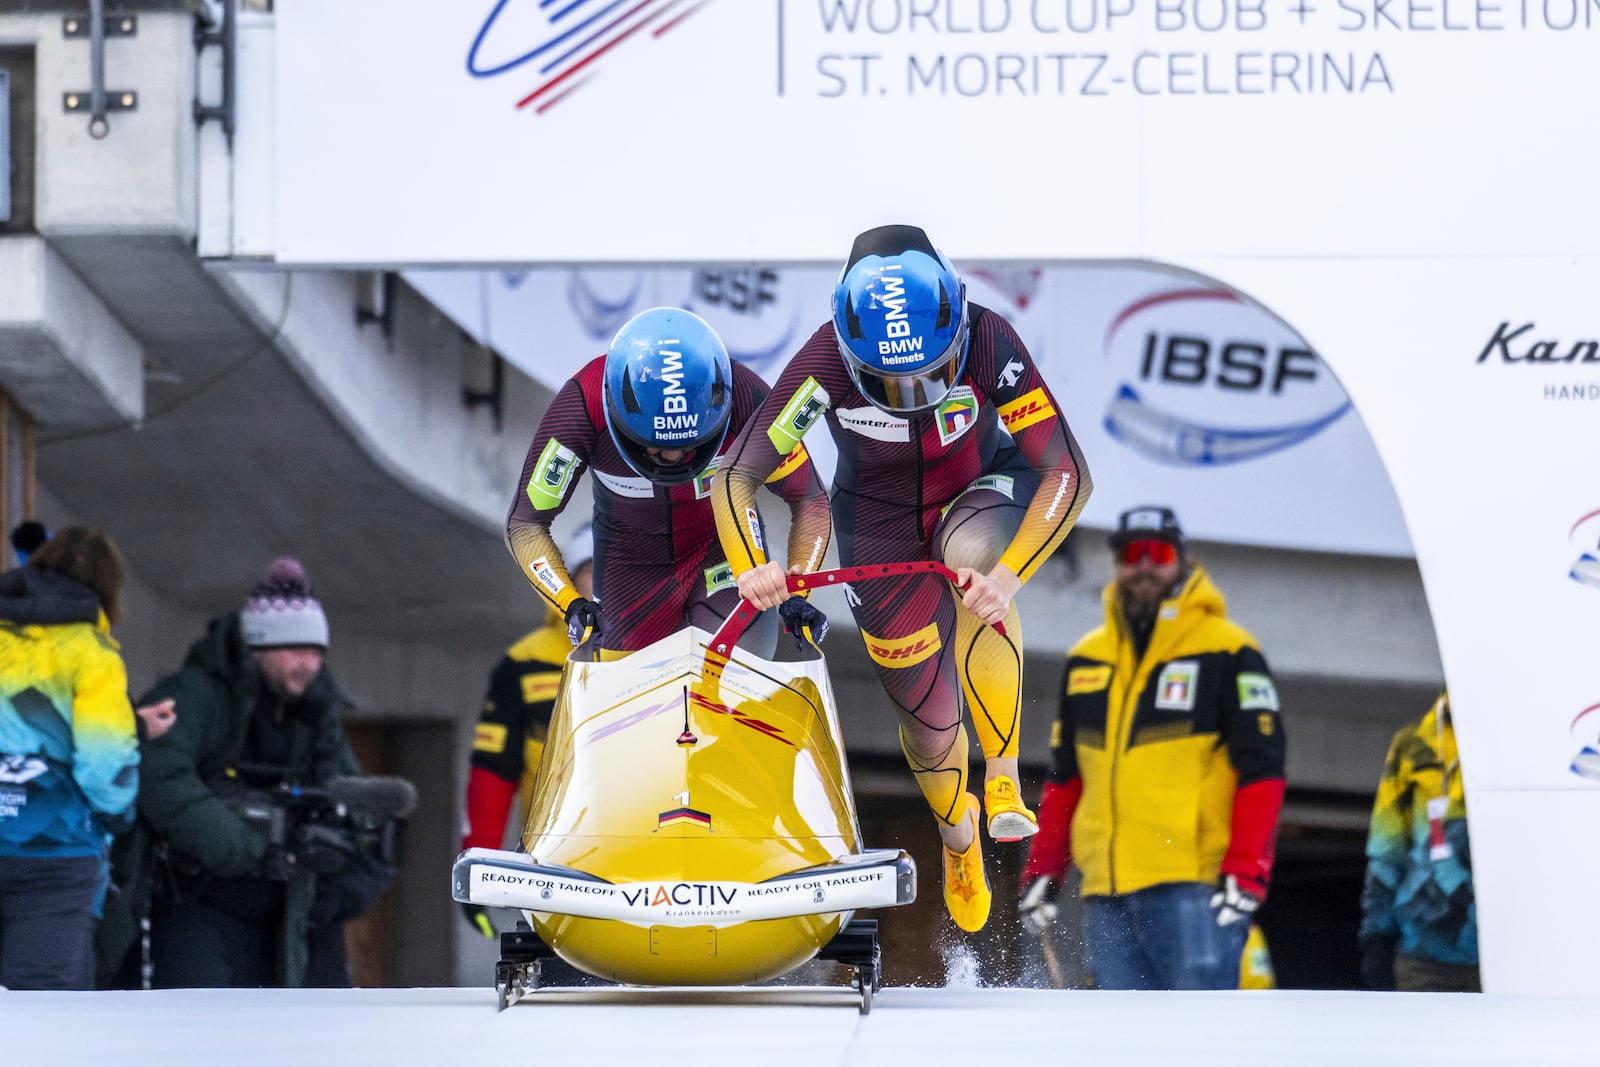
(668, 394)
(900, 313)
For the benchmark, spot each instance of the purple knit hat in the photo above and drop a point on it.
(282, 609)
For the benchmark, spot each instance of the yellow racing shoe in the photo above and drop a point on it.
(1009, 817)
(966, 887)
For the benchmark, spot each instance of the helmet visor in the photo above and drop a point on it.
(908, 394)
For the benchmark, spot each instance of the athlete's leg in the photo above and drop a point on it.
(973, 532)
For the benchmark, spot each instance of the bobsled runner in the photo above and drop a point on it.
(693, 822)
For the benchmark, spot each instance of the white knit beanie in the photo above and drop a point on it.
(282, 609)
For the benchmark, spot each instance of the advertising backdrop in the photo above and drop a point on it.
(1407, 184)
(1178, 390)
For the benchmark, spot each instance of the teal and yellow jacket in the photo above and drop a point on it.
(69, 754)
(1167, 767)
(1418, 892)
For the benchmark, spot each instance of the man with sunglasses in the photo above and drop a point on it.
(1167, 775)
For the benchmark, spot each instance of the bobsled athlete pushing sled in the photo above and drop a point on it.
(692, 822)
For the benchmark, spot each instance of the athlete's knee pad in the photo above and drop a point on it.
(990, 668)
(938, 761)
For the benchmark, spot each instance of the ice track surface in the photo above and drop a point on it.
(773, 1026)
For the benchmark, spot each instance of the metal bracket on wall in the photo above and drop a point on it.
(77, 26)
(97, 100)
(227, 37)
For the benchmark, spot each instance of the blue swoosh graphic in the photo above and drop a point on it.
(1178, 442)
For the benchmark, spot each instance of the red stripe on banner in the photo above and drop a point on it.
(659, 30)
(597, 53)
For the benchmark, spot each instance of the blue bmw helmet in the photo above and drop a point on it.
(900, 313)
(668, 386)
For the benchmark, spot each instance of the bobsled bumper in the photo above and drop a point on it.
(879, 878)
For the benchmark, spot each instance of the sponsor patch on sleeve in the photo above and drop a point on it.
(540, 686)
(1027, 409)
(1256, 692)
(546, 576)
(798, 415)
(753, 522)
(489, 737)
(552, 475)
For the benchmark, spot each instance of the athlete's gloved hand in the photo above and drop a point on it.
(1377, 963)
(798, 613)
(1038, 907)
(1235, 900)
(478, 918)
(583, 620)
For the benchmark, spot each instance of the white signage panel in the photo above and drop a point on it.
(514, 131)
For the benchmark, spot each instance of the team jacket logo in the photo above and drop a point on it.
(903, 651)
(17, 770)
(1026, 410)
(956, 415)
(1176, 685)
(1011, 375)
(1088, 679)
(552, 475)
(798, 416)
(539, 686)
(489, 737)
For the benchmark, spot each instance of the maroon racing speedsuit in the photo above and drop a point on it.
(657, 563)
(991, 474)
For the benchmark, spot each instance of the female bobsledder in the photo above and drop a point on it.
(951, 448)
(651, 418)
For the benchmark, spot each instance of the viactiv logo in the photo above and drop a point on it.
(558, 44)
(1585, 538)
(1207, 379)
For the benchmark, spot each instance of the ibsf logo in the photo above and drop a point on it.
(1209, 380)
(558, 47)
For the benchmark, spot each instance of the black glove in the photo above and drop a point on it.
(1377, 963)
(321, 849)
(797, 614)
(583, 620)
(1037, 909)
(1235, 901)
(478, 918)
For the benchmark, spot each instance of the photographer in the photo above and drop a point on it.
(246, 872)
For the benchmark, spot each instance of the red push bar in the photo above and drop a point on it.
(733, 628)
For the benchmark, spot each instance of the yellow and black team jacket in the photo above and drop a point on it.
(1169, 767)
(512, 730)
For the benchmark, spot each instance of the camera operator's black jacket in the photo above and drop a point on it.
(188, 773)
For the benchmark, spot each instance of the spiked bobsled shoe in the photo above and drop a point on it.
(1009, 818)
(966, 887)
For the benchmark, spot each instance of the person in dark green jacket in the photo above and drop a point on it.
(256, 709)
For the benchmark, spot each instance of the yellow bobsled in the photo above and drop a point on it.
(693, 823)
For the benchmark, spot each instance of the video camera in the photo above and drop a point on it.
(320, 827)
